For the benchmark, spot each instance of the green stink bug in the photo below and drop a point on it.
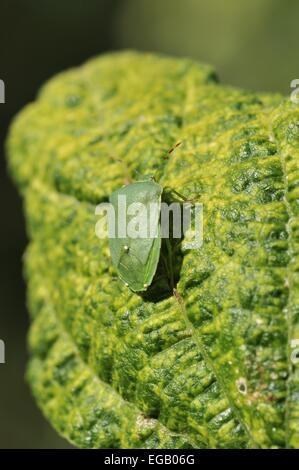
(136, 259)
(139, 258)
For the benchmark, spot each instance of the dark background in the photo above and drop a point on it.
(251, 43)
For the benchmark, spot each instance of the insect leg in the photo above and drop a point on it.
(127, 176)
(170, 265)
(180, 195)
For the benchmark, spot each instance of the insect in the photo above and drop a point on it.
(136, 259)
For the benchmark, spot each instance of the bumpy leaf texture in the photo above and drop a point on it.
(108, 368)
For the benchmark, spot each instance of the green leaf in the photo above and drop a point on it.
(108, 368)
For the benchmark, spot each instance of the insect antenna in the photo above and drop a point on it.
(165, 156)
(138, 175)
(126, 170)
(174, 147)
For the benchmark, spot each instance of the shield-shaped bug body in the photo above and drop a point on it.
(136, 257)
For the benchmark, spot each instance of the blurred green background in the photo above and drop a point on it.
(251, 44)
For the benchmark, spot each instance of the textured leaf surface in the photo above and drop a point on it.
(107, 368)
